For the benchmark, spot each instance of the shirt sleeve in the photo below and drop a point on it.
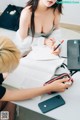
(2, 91)
(23, 45)
(26, 45)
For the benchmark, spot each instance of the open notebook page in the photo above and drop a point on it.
(42, 53)
(32, 71)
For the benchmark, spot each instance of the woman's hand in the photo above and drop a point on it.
(49, 42)
(59, 85)
(57, 51)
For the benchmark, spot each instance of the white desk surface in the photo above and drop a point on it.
(71, 110)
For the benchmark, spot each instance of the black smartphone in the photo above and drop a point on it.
(51, 103)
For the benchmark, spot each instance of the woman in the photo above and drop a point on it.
(40, 20)
(9, 59)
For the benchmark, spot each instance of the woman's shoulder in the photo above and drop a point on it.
(56, 12)
(26, 13)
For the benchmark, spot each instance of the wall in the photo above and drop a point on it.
(70, 12)
(19, 2)
(4, 3)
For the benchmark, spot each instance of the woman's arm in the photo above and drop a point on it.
(24, 23)
(23, 94)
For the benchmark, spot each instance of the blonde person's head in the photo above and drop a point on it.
(9, 55)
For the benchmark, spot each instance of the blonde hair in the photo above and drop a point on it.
(9, 55)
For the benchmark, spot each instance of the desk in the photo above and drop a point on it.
(71, 110)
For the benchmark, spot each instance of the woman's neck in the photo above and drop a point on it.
(41, 7)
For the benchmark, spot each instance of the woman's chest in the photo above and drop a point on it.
(44, 23)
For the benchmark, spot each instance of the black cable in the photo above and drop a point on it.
(71, 72)
(62, 56)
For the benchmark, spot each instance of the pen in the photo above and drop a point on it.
(59, 45)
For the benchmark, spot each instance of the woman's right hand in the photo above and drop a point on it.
(59, 85)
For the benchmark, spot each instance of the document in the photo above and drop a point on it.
(31, 73)
(42, 53)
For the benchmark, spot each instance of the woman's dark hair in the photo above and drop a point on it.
(34, 4)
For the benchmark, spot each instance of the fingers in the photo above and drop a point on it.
(51, 41)
(60, 85)
(57, 51)
(66, 83)
(64, 80)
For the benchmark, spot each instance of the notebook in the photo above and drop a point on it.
(42, 53)
(32, 73)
